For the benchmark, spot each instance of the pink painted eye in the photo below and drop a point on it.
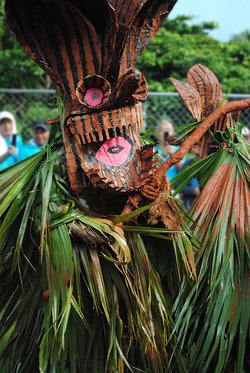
(93, 96)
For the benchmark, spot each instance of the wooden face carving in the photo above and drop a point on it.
(104, 142)
(89, 49)
(107, 147)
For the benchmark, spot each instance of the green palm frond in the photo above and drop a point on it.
(212, 317)
(78, 292)
(181, 246)
(185, 129)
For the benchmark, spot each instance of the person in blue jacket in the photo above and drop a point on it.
(190, 192)
(10, 142)
(163, 130)
(40, 138)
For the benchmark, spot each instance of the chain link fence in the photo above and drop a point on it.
(31, 105)
(160, 106)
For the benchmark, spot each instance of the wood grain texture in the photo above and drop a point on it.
(201, 95)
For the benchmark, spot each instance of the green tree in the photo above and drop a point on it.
(17, 69)
(179, 45)
(243, 36)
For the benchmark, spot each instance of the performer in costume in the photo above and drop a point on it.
(93, 301)
(79, 294)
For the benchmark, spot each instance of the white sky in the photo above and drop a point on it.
(232, 15)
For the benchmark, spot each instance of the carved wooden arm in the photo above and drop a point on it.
(187, 144)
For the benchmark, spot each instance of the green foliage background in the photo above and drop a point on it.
(179, 44)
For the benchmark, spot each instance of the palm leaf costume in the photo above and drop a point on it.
(212, 316)
(79, 293)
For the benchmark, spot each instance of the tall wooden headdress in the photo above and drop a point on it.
(89, 49)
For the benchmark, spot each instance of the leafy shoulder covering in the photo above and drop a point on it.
(79, 293)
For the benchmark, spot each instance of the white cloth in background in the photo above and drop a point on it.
(3, 145)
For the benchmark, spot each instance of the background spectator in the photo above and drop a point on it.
(39, 140)
(191, 190)
(246, 134)
(163, 130)
(10, 142)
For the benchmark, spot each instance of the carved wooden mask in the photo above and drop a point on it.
(89, 49)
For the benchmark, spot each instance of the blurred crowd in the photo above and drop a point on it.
(165, 130)
(12, 147)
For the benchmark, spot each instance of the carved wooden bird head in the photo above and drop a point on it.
(89, 49)
(202, 94)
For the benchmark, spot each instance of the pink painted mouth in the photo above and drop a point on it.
(114, 152)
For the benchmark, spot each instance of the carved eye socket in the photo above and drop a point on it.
(93, 91)
(93, 96)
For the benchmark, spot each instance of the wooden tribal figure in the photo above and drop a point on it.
(89, 49)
